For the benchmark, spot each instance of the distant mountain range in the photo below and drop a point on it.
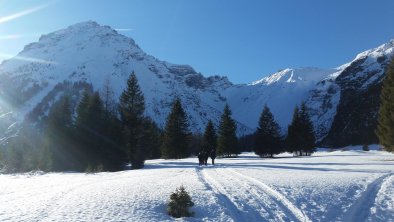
(343, 101)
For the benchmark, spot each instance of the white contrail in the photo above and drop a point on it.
(28, 59)
(18, 36)
(124, 30)
(22, 13)
(9, 37)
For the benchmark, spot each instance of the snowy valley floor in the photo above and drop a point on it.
(329, 186)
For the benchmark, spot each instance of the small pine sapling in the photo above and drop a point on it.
(179, 204)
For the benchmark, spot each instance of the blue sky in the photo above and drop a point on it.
(244, 40)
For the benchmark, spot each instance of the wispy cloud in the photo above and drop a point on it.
(27, 59)
(22, 13)
(124, 30)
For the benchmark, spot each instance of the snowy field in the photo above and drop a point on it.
(329, 186)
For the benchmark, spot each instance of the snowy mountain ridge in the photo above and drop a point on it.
(291, 75)
(90, 53)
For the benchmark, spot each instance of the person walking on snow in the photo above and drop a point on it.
(213, 156)
(200, 159)
(206, 156)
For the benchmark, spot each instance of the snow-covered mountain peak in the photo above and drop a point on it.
(76, 43)
(81, 31)
(382, 50)
(295, 75)
(90, 53)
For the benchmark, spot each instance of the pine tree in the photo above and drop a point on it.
(114, 152)
(81, 131)
(307, 132)
(300, 136)
(58, 135)
(267, 135)
(89, 129)
(95, 130)
(209, 140)
(385, 129)
(152, 139)
(132, 103)
(82, 111)
(99, 135)
(227, 143)
(176, 134)
(132, 107)
(293, 140)
(179, 204)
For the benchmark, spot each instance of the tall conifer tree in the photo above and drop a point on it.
(89, 130)
(385, 129)
(267, 135)
(307, 132)
(114, 152)
(300, 135)
(176, 133)
(58, 135)
(293, 139)
(209, 141)
(132, 107)
(227, 144)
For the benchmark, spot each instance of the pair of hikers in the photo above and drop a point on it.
(204, 155)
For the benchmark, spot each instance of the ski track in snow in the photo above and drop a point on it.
(250, 200)
(329, 186)
(211, 184)
(287, 206)
(360, 210)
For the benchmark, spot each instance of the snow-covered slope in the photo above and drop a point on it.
(281, 91)
(329, 186)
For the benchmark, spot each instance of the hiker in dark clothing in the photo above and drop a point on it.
(206, 155)
(213, 156)
(200, 159)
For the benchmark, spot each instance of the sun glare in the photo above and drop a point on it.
(11, 17)
(22, 13)
(27, 59)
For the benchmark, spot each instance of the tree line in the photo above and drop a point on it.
(104, 135)
(300, 139)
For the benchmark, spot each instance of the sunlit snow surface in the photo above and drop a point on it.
(329, 186)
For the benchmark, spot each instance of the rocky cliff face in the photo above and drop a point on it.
(360, 85)
(342, 101)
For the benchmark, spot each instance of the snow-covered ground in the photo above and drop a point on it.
(329, 186)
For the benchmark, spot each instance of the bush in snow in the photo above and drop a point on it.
(179, 204)
(365, 147)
